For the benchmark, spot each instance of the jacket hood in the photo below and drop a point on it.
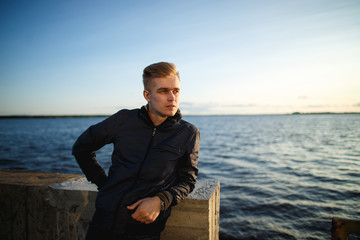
(170, 121)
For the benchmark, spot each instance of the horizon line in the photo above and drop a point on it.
(187, 115)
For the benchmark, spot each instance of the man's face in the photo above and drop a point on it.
(163, 97)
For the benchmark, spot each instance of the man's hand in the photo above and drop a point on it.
(147, 209)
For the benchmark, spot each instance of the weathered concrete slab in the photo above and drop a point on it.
(29, 178)
(30, 209)
(198, 213)
(37, 205)
(196, 217)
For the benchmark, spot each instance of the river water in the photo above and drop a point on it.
(282, 176)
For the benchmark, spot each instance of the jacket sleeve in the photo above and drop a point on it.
(95, 137)
(186, 174)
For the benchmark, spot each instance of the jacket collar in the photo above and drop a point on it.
(170, 121)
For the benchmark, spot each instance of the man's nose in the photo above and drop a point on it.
(171, 96)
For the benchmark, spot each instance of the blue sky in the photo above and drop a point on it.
(234, 57)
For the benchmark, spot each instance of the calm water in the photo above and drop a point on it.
(282, 176)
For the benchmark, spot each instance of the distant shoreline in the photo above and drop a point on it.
(315, 113)
(52, 116)
(105, 115)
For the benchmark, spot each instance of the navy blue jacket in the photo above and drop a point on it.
(147, 160)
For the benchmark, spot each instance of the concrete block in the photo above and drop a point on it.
(60, 206)
(197, 215)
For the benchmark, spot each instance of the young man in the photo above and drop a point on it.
(154, 161)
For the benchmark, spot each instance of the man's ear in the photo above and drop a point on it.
(146, 95)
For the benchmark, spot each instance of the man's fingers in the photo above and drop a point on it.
(146, 210)
(141, 216)
(134, 205)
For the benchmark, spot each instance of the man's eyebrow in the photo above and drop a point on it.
(167, 89)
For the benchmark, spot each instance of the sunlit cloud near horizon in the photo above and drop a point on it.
(234, 57)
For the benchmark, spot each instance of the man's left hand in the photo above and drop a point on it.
(147, 209)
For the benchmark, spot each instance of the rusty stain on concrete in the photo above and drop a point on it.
(28, 178)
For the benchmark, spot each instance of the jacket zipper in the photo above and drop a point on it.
(146, 154)
(142, 163)
(136, 178)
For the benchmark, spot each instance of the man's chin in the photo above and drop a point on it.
(171, 113)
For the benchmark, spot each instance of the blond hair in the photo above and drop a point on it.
(160, 69)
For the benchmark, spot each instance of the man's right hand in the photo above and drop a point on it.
(147, 209)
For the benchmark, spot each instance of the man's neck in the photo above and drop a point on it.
(156, 119)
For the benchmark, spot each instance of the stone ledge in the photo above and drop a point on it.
(29, 178)
(203, 188)
(38, 205)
